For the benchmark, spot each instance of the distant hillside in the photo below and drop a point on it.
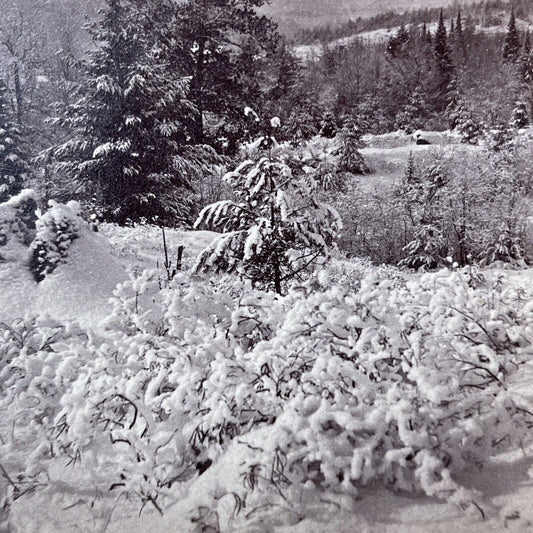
(297, 14)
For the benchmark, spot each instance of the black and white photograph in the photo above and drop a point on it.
(266, 266)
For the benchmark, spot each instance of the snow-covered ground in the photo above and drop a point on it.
(80, 288)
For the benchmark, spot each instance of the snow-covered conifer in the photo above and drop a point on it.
(13, 167)
(132, 151)
(349, 156)
(275, 230)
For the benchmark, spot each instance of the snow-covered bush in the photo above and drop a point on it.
(402, 383)
(506, 249)
(17, 225)
(275, 230)
(519, 117)
(56, 229)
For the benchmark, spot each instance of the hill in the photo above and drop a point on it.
(297, 14)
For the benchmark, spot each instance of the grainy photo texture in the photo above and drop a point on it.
(266, 266)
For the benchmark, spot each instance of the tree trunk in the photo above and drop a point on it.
(18, 93)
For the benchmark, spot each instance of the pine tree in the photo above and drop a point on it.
(13, 167)
(131, 153)
(349, 157)
(444, 66)
(275, 230)
(511, 47)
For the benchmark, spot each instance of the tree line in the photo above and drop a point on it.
(137, 125)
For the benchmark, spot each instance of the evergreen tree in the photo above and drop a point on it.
(511, 47)
(274, 230)
(13, 167)
(459, 40)
(220, 46)
(463, 121)
(131, 152)
(349, 157)
(444, 66)
(427, 250)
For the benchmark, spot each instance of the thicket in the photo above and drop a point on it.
(460, 203)
(400, 383)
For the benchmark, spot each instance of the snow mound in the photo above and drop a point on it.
(77, 289)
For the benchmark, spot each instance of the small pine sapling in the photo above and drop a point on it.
(275, 230)
(426, 250)
(349, 157)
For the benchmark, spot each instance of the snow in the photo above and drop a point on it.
(507, 483)
(80, 289)
(97, 262)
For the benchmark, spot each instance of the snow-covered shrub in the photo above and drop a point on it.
(519, 117)
(275, 230)
(17, 225)
(401, 382)
(408, 401)
(506, 249)
(56, 229)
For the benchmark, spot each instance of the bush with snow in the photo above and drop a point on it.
(17, 225)
(56, 229)
(403, 383)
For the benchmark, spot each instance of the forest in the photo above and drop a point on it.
(260, 280)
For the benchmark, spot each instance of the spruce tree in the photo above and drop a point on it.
(274, 230)
(459, 39)
(220, 45)
(349, 157)
(511, 47)
(131, 150)
(444, 66)
(13, 167)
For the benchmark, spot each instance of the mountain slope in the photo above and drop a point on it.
(309, 13)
